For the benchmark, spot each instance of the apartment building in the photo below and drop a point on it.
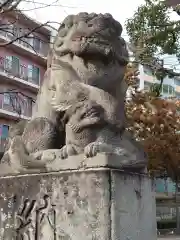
(167, 214)
(22, 67)
(170, 86)
(167, 208)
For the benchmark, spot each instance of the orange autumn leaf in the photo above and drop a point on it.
(155, 122)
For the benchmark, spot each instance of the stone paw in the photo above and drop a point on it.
(93, 148)
(68, 150)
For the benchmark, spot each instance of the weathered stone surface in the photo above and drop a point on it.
(77, 134)
(52, 162)
(94, 204)
(133, 208)
(72, 205)
(80, 106)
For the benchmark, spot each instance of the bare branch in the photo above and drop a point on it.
(15, 100)
(44, 5)
(15, 5)
(18, 92)
(9, 5)
(23, 36)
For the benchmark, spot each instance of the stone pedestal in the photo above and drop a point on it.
(87, 203)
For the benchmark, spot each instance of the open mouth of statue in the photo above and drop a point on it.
(94, 57)
(106, 59)
(92, 50)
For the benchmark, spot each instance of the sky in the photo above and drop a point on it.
(119, 10)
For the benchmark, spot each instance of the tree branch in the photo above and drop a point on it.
(8, 6)
(14, 96)
(24, 35)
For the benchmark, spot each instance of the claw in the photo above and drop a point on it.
(67, 150)
(93, 148)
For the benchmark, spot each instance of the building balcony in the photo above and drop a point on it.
(15, 105)
(9, 111)
(37, 53)
(149, 78)
(19, 75)
(12, 115)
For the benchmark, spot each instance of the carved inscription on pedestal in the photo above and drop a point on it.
(32, 217)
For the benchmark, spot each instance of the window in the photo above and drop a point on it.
(4, 27)
(8, 63)
(33, 74)
(2, 63)
(165, 88)
(6, 99)
(147, 86)
(178, 95)
(30, 41)
(15, 65)
(177, 82)
(9, 30)
(30, 73)
(36, 43)
(44, 48)
(22, 104)
(1, 127)
(21, 32)
(12, 65)
(30, 105)
(15, 31)
(36, 75)
(23, 71)
(15, 102)
(5, 131)
(171, 90)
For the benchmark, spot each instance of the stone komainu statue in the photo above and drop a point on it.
(80, 106)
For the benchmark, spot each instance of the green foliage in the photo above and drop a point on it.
(152, 31)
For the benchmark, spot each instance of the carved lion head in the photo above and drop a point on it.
(93, 45)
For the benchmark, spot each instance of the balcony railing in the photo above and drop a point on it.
(26, 112)
(31, 43)
(15, 104)
(19, 71)
(164, 186)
